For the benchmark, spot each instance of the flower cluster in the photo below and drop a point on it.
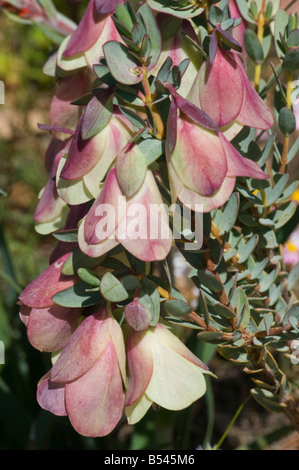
(141, 117)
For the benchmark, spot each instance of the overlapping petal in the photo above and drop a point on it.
(161, 370)
(139, 223)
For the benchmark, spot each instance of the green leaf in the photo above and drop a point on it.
(121, 64)
(153, 33)
(267, 399)
(233, 354)
(209, 280)
(89, 277)
(291, 60)
(172, 7)
(78, 296)
(124, 16)
(177, 308)
(286, 121)
(272, 194)
(213, 337)
(67, 236)
(223, 311)
(131, 168)
(253, 46)
(229, 214)
(112, 289)
(97, 115)
(268, 280)
(245, 251)
(293, 150)
(77, 260)
(281, 22)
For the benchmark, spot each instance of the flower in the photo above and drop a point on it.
(49, 329)
(202, 163)
(84, 46)
(178, 48)
(291, 248)
(38, 294)
(224, 92)
(162, 370)
(51, 210)
(86, 382)
(87, 161)
(139, 222)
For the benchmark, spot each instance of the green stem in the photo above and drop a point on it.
(224, 435)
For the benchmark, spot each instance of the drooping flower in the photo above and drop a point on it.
(87, 161)
(140, 222)
(179, 48)
(38, 294)
(87, 380)
(51, 210)
(202, 163)
(84, 46)
(49, 329)
(162, 370)
(224, 92)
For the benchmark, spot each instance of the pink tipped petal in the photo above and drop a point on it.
(63, 114)
(102, 218)
(95, 251)
(238, 165)
(50, 205)
(50, 397)
(85, 346)
(254, 112)
(95, 401)
(199, 203)
(140, 363)
(199, 158)
(83, 155)
(39, 293)
(49, 329)
(87, 32)
(221, 88)
(147, 234)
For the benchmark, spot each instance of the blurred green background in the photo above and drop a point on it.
(24, 254)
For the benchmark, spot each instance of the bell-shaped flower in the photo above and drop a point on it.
(202, 163)
(139, 222)
(162, 370)
(49, 329)
(87, 379)
(224, 92)
(84, 166)
(38, 294)
(63, 114)
(84, 46)
(51, 210)
(178, 47)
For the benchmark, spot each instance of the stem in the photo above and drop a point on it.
(260, 35)
(231, 423)
(160, 130)
(286, 140)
